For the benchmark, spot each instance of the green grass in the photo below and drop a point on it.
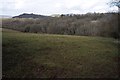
(62, 56)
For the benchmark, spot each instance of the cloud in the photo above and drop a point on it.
(19, 4)
(48, 7)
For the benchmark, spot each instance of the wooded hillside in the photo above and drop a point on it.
(90, 24)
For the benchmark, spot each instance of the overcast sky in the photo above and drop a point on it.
(49, 7)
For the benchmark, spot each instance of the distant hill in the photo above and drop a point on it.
(5, 16)
(26, 15)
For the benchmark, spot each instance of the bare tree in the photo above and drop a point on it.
(115, 3)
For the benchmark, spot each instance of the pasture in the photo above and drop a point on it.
(30, 55)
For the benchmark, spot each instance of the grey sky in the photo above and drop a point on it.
(49, 7)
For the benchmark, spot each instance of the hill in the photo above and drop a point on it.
(26, 15)
(5, 16)
(29, 55)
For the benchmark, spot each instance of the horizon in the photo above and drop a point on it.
(56, 14)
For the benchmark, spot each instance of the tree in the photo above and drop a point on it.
(115, 3)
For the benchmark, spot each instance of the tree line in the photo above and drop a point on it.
(90, 24)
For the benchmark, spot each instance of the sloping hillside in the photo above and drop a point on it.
(54, 56)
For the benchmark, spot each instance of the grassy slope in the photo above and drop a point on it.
(43, 55)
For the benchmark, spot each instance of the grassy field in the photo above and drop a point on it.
(62, 56)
